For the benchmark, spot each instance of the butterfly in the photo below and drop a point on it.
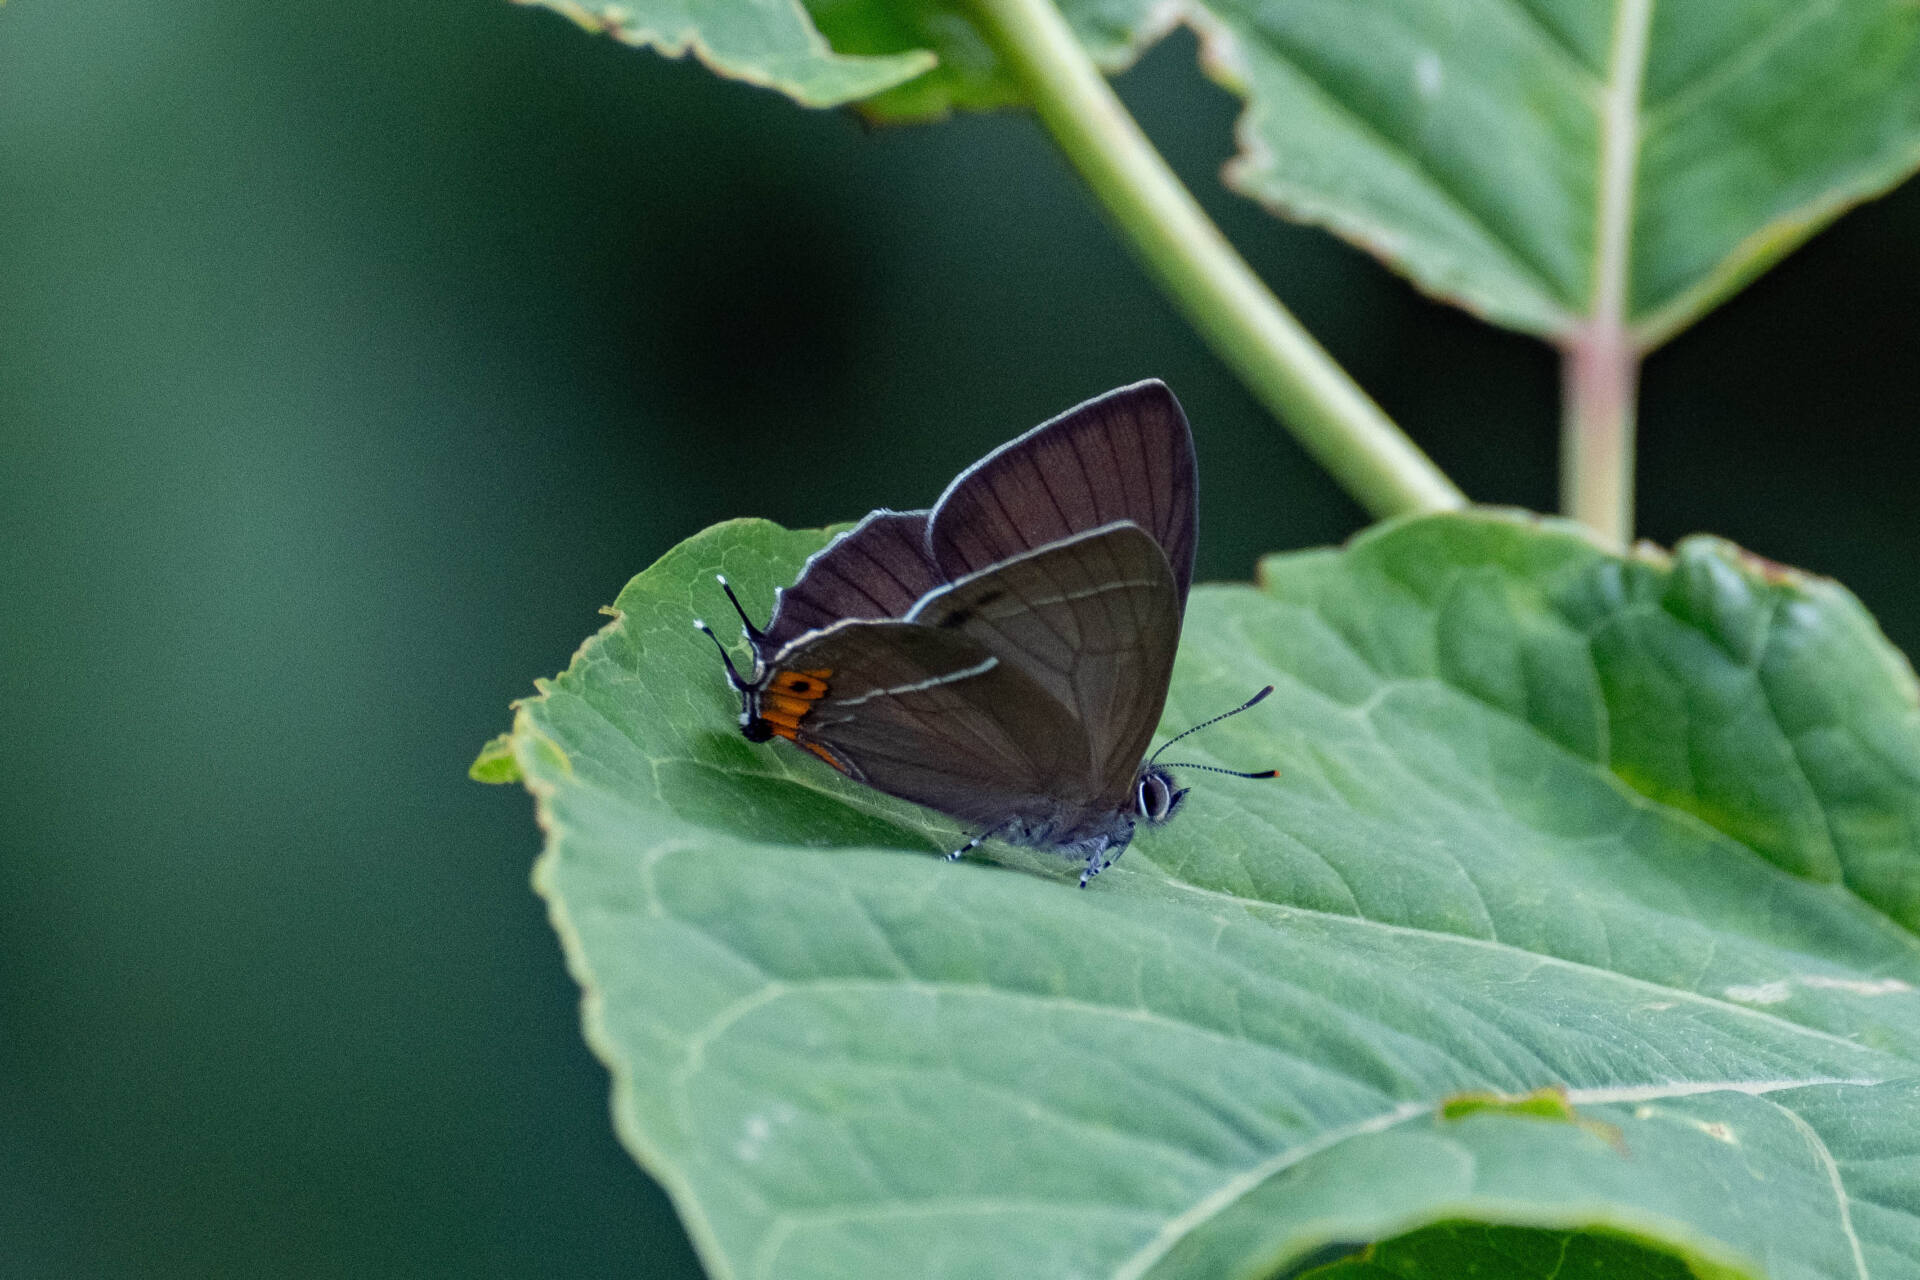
(1004, 657)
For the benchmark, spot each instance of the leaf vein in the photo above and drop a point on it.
(1824, 1155)
(1686, 99)
(1519, 259)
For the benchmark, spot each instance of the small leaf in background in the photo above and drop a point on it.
(495, 763)
(771, 44)
(1639, 831)
(1465, 142)
(969, 74)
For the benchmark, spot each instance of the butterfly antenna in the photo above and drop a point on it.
(753, 633)
(733, 676)
(1248, 705)
(1231, 773)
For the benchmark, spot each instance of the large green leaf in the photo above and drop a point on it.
(1645, 832)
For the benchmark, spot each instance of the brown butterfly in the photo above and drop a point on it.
(1004, 657)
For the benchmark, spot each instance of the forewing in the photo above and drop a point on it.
(934, 717)
(877, 569)
(1094, 622)
(1126, 455)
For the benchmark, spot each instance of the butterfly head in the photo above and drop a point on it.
(773, 700)
(1155, 797)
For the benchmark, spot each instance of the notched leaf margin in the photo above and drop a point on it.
(844, 78)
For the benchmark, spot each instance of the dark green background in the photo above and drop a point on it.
(352, 353)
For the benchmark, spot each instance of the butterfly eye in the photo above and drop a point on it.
(1153, 798)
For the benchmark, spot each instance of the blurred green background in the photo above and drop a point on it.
(352, 354)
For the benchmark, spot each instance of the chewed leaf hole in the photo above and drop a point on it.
(1458, 1250)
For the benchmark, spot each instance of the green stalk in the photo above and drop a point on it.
(1234, 311)
(1600, 378)
(1601, 361)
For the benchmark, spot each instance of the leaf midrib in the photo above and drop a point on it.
(1435, 601)
(1331, 920)
(1230, 1192)
(1618, 162)
(1435, 936)
(1335, 919)
(1244, 1181)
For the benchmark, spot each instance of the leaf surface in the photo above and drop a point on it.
(1638, 831)
(1469, 142)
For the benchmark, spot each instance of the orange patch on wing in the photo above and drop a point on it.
(788, 697)
(801, 684)
(823, 753)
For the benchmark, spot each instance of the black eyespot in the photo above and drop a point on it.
(756, 730)
(801, 686)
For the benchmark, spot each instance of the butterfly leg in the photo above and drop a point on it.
(1097, 861)
(971, 845)
(1103, 855)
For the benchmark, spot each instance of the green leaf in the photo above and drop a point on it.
(1636, 829)
(969, 73)
(495, 763)
(771, 44)
(1519, 157)
(1467, 142)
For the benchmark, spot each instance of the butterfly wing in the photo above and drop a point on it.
(1126, 455)
(927, 714)
(1007, 656)
(877, 569)
(1093, 621)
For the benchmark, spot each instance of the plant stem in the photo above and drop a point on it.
(1287, 370)
(1601, 373)
(1600, 376)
